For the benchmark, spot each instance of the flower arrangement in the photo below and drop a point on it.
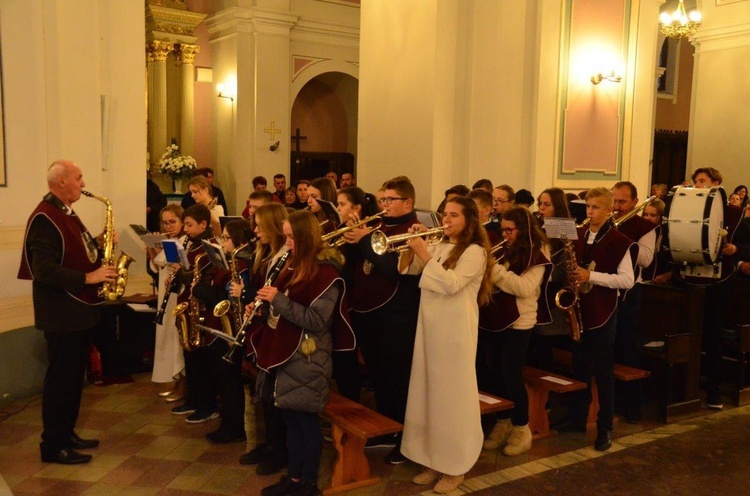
(174, 165)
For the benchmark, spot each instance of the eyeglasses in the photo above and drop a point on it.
(500, 201)
(169, 222)
(390, 199)
(223, 237)
(509, 230)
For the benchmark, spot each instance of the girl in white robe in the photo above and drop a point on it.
(442, 429)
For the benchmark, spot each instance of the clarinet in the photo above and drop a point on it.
(172, 285)
(239, 340)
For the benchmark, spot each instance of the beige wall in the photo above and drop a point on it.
(719, 134)
(674, 113)
(54, 77)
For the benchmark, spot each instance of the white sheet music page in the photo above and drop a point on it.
(560, 228)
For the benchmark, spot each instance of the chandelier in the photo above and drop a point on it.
(680, 24)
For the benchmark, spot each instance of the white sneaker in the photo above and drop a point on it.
(519, 440)
(499, 435)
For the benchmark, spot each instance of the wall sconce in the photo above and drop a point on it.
(225, 93)
(615, 78)
(275, 146)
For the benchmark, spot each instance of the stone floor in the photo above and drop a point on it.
(147, 451)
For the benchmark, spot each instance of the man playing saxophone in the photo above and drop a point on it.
(610, 257)
(64, 262)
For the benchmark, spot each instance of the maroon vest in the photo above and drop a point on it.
(372, 289)
(598, 305)
(274, 347)
(78, 248)
(502, 311)
(635, 228)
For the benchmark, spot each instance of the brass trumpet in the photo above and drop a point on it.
(336, 238)
(381, 244)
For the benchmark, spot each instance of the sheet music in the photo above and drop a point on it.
(153, 240)
(488, 400)
(560, 227)
(556, 380)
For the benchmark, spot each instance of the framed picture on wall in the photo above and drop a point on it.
(3, 177)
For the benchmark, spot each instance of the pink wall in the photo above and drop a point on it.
(592, 121)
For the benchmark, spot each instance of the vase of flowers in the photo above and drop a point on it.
(176, 166)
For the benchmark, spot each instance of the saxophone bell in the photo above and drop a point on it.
(111, 291)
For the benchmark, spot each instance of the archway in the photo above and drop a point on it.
(325, 111)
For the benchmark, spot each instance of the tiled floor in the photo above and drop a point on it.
(146, 450)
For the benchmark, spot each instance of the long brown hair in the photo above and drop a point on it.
(309, 247)
(271, 217)
(473, 233)
(529, 239)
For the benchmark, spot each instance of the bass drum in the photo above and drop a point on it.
(693, 224)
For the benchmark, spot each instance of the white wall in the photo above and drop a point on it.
(719, 134)
(59, 57)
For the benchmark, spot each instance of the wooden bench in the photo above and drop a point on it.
(676, 351)
(353, 424)
(622, 373)
(539, 383)
(737, 356)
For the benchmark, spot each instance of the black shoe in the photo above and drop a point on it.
(183, 410)
(386, 441)
(567, 425)
(201, 415)
(304, 489)
(285, 486)
(603, 440)
(255, 455)
(226, 437)
(65, 456)
(273, 463)
(77, 442)
(713, 400)
(395, 457)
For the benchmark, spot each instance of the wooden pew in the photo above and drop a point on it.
(737, 357)
(353, 424)
(539, 383)
(674, 315)
(622, 373)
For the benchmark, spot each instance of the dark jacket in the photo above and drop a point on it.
(54, 284)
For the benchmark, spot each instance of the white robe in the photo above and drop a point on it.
(168, 357)
(442, 429)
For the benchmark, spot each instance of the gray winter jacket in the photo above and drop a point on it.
(302, 383)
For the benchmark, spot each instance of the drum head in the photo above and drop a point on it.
(693, 220)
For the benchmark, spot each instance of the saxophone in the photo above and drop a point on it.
(233, 305)
(189, 332)
(112, 291)
(567, 299)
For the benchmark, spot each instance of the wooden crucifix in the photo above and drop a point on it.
(297, 138)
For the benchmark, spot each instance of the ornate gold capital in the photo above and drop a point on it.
(158, 50)
(185, 54)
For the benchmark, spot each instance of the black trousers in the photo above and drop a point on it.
(346, 374)
(388, 348)
(626, 346)
(505, 352)
(201, 385)
(713, 322)
(305, 442)
(230, 387)
(67, 353)
(595, 350)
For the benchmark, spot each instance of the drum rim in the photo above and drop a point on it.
(711, 197)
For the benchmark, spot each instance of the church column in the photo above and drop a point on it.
(150, 105)
(185, 55)
(158, 121)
